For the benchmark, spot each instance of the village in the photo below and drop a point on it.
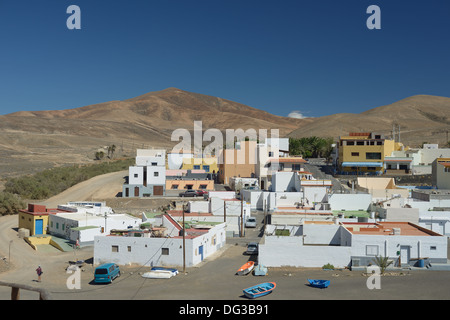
(296, 216)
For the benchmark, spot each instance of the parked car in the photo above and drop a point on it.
(251, 222)
(204, 193)
(191, 193)
(252, 248)
(106, 273)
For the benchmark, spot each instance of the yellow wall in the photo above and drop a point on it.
(345, 152)
(27, 221)
(37, 240)
(188, 164)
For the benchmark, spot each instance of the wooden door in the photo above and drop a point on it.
(158, 190)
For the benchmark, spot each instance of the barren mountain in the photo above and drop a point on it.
(32, 140)
(421, 118)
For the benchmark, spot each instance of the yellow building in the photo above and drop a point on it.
(364, 153)
(34, 219)
(209, 164)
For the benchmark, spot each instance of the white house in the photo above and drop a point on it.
(350, 201)
(214, 209)
(84, 226)
(164, 250)
(350, 244)
(148, 177)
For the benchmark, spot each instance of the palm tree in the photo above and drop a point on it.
(382, 262)
(113, 149)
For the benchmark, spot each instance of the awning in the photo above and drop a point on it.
(362, 164)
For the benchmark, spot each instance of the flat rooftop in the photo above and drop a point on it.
(387, 228)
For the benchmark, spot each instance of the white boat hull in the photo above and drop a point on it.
(161, 274)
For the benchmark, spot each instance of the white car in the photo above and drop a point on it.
(250, 223)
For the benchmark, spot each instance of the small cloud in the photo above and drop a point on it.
(297, 115)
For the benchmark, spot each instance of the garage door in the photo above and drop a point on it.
(158, 190)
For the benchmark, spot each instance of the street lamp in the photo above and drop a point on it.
(9, 252)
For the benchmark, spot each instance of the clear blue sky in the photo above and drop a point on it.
(317, 57)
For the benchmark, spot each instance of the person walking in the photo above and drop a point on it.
(39, 273)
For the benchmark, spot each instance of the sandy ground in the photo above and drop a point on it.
(214, 279)
(202, 282)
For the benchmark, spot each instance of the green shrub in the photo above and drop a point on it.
(10, 203)
(328, 266)
(48, 183)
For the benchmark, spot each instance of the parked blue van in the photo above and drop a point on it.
(106, 273)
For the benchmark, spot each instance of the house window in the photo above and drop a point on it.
(373, 155)
(203, 186)
(447, 169)
(114, 248)
(165, 251)
(174, 187)
(355, 154)
(196, 167)
(129, 248)
(372, 250)
(433, 248)
(135, 175)
(270, 154)
(296, 167)
(156, 174)
(350, 143)
(360, 143)
(206, 168)
(154, 164)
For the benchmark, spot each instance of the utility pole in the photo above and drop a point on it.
(224, 211)
(265, 214)
(242, 216)
(184, 242)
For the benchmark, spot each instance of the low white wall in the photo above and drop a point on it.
(199, 206)
(344, 201)
(289, 251)
(321, 234)
(222, 194)
(402, 214)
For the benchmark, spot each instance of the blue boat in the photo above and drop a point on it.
(319, 283)
(259, 290)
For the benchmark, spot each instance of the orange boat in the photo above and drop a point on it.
(246, 268)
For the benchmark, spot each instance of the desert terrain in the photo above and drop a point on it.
(36, 140)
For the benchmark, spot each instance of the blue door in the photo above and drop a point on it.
(200, 251)
(39, 226)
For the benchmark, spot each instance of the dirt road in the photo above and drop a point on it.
(101, 187)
